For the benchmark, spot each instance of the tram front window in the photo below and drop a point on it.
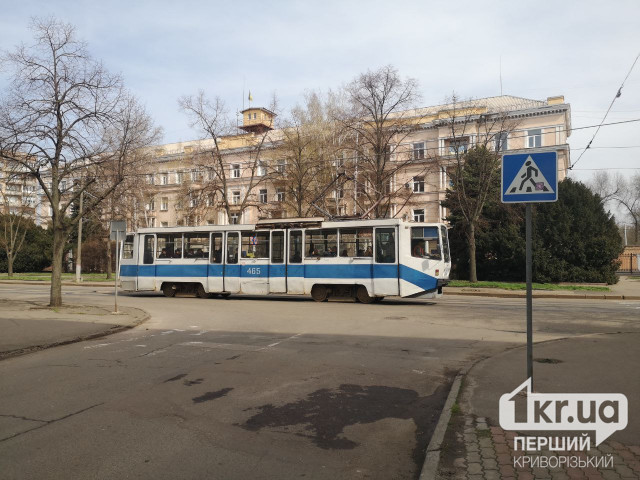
(425, 243)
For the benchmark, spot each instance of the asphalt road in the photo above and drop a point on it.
(259, 388)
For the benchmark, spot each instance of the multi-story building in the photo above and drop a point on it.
(427, 153)
(184, 182)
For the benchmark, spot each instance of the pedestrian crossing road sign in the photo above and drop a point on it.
(530, 177)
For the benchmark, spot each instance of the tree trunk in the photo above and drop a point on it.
(471, 237)
(108, 259)
(10, 264)
(59, 239)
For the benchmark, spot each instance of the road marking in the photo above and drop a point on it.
(278, 343)
(97, 346)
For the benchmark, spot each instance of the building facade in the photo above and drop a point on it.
(184, 184)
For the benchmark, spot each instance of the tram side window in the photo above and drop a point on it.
(255, 244)
(196, 245)
(277, 247)
(232, 248)
(295, 246)
(356, 242)
(385, 245)
(169, 245)
(216, 248)
(425, 243)
(148, 250)
(321, 243)
(127, 247)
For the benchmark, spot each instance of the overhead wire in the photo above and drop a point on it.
(615, 97)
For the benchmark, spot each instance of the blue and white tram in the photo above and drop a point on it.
(367, 259)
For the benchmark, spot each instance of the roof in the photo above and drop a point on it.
(501, 103)
(497, 104)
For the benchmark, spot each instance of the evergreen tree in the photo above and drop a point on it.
(574, 239)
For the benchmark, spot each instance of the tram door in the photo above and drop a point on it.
(295, 268)
(215, 277)
(231, 267)
(146, 263)
(254, 262)
(277, 269)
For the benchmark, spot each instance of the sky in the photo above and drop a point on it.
(580, 49)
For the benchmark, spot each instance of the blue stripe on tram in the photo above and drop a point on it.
(408, 274)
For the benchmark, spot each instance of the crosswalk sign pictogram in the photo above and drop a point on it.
(530, 177)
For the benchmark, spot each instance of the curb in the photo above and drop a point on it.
(115, 329)
(432, 459)
(64, 284)
(571, 296)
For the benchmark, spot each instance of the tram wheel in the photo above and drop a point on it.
(363, 296)
(319, 293)
(200, 291)
(169, 290)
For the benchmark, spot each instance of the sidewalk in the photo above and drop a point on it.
(627, 288)
(476, 448)
(30, 326)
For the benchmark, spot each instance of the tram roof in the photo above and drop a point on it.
(282, 223)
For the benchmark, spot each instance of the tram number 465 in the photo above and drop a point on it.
(253, 271)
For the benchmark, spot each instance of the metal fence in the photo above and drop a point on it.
(630, 263)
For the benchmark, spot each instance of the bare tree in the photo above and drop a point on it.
(628, 197)
(621, 191)
(473, 157)
(213, 161)
(378, 118)
(20, 202)
(301, 163)
(67, 122)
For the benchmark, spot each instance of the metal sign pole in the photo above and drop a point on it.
(529, 178)
(529, 295)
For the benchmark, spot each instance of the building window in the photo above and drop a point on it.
(458, 145)
(262, 168)
(281, 166)
(164, 204)
(418, 151)
(418, 184)
(234, 219)
(164, 224)
(501, 141)
(63, 186)
(418, 215)
(339, 193)
(263, 195)
(179, 177)
(195, 175)
(279, 194)
(164, 179)
(150, 179)
(151, 206)
(534, 138)
(235, 197)
(151, 223)
(235, 170)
